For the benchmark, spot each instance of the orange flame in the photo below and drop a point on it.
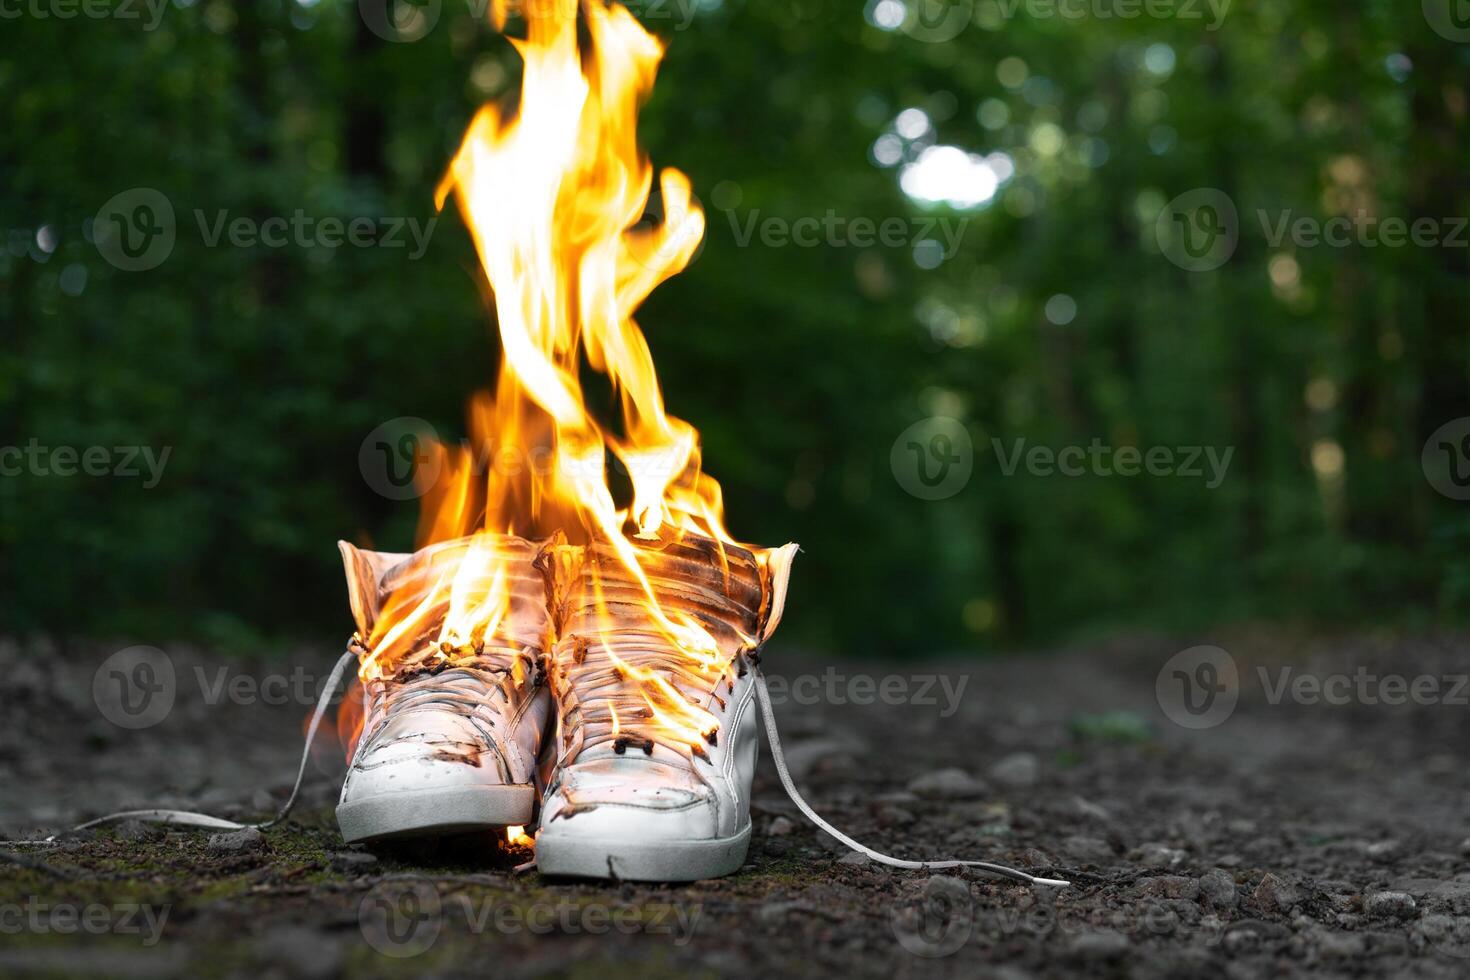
(554, 195)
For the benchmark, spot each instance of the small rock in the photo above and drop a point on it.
(1169, 886)
(237, 841)
(1384, 851)
(1019, 769)
(1276, 895)
(1465, 847)
(947, 784)
(1217, 889)
(777, 848)
(780, 827)
(854, 860)
(1155, 855)
(352, 861)
(1093, 947)
(1394, 905)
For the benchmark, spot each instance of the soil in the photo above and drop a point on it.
(1295, 838)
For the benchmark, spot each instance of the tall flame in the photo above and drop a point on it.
(554, 196)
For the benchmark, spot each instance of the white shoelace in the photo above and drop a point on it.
(188, 818)
(774, 739)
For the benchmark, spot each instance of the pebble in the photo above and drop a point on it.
(1092, 947)
(1019, 769)
(1384, 851)
(855, 860)
(1168, 886)
(780, 827)
(947, 784)
(1217, 888)
(1155, 855)
(1275, 895)
(237, 841)
(1397, 905)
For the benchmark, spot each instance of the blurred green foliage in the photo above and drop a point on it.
(1057, 320)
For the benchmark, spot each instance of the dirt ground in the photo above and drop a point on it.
(1295, 835)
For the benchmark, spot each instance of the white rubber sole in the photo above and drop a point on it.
(434, 812)
(622, 859)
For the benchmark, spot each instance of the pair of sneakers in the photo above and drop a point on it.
(579, 704)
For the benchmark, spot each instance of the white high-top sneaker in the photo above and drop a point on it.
(639, 791)
(451, 735)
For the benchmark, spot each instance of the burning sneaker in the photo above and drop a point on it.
(452, 706)
(657, 728)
